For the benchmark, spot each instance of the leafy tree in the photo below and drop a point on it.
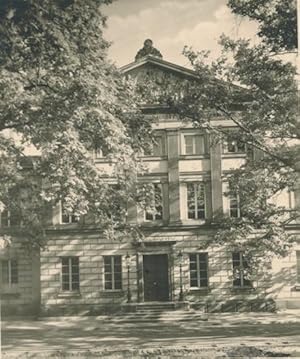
(256, 91)
(60, 95)
(277, 20)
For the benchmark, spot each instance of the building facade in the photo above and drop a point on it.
(82, 271)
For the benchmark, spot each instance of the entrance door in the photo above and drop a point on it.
(156, 282)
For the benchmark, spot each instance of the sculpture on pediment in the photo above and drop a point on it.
(148, 49)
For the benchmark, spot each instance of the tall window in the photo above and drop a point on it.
(234, 205)
(199, 270)
(196, 200)
(112, 272)
(193, 145)
(66, 217)
(240, 268)
(10, 272)
(70, 274)
(298, 266)
(156, 212)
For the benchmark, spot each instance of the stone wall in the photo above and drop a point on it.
(23, 297)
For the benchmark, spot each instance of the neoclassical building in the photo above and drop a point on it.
(82, 271)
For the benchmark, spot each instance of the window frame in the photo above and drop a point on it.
(242, 266)
(198, 270)
(159, 213)
(12, 279)
(112, 272)
(196, 185)
(237, 208)
(70, 274)
(194, 137)
(236, 143)
(72, 219)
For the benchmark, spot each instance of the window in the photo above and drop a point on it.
(240, 267)
(70, 274)
(298, 266)
(9, 219)
(158, 148)
(112, 272)
(199, 270)
(68, 218)
(9, 272)
(234, 205)
(156, 212)
(233, 145)
(100, 152)
(193, 145)
(196, 200)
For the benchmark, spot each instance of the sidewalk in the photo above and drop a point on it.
(107, 336)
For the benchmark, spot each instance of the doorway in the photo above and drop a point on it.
(156, 277)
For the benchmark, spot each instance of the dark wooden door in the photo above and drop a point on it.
(156, 279)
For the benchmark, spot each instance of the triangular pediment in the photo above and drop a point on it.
(156, 65)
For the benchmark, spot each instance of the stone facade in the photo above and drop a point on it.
(81, 271)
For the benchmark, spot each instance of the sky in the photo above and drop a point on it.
(171, 24)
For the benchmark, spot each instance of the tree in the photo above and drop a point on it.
(256, 91)
(61, 95)
(277, 20)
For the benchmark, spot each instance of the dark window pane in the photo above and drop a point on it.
(194, 283)
(75, 286)
(65, 285)
(108, 285)
(203, 283)
(237, 282)
(118, 285)
(5, 272)
(14, 272)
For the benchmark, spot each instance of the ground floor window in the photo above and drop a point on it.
(9, 272)
(112, 272)
(70, 274)
(199, 270)
(240, 270)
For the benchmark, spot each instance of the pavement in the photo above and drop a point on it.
(164, 337)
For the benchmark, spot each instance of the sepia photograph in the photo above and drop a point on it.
(149, 179)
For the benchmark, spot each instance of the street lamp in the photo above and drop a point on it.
(127, 258)
(180, 256)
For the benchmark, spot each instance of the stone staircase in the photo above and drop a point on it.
(157, 313)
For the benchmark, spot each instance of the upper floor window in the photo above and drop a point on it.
(234, 145)
(199, 270)
(158, 148)
(112, 272)
(195, 201)
(234, 205)
(193, 144)
(240, 268)
(66, 217)
(100, 152)
(9, 272)
(155, 213)
(70, 274)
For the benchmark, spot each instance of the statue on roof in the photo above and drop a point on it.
(148, 49)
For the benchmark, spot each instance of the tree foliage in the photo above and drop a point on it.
(277, 20)
(256, 92)
(61, 95)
